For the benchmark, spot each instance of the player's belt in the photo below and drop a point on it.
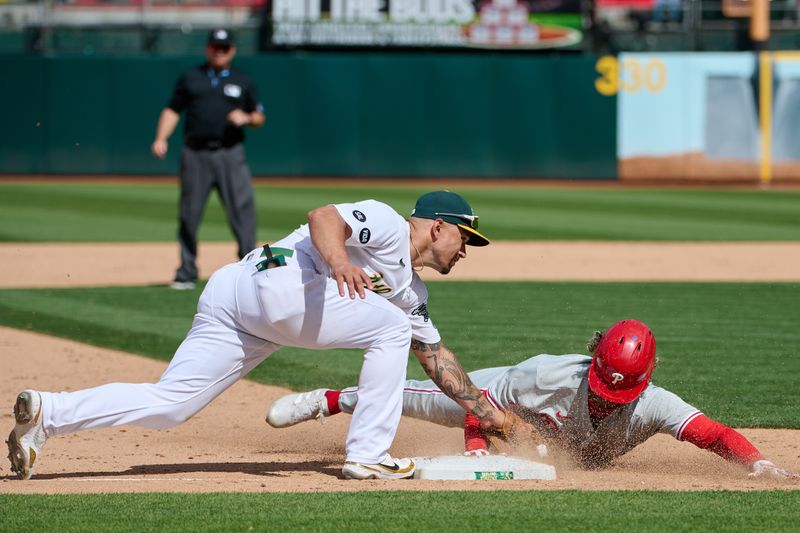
(207, 144)
(273, 257)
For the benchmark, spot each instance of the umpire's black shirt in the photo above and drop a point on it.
(207, 97)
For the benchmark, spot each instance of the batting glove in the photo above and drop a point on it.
(767, 468)
(480, 452)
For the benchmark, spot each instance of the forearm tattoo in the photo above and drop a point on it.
(448, 374)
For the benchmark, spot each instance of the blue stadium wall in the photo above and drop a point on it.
(361, 114)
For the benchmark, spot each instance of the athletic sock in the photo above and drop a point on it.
(333, 401)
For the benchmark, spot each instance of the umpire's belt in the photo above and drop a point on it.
(207, 144)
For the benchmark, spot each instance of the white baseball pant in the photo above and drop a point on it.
(242, 317)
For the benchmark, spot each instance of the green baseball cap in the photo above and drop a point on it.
(451, 208)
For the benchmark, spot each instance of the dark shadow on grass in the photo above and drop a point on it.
(256, 469)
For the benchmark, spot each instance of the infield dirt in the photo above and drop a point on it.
(228, 447)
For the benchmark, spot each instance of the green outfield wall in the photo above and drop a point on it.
(328, 114)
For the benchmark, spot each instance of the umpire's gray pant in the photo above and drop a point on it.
(226, 170)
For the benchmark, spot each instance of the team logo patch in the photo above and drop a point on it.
(234, 91)
(361, 217)
(364, 236)
(422, 311)
(617, 377)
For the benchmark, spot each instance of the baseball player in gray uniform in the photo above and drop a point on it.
(595, 408)
(347, 279)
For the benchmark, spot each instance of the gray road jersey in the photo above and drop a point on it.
(553, 391)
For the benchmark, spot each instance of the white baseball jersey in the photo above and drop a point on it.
(379, 244)
(554, 390)
(246, 313)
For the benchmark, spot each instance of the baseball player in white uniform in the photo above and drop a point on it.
(347, 279)
(595, 408)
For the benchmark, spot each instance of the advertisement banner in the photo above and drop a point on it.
(509, 24)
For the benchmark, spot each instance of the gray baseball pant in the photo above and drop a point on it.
(225, 170)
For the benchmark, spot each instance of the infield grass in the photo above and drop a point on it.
(727, 348)
(80, 212)
(407, 511)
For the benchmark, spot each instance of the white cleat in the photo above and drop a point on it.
(182, 285)
(27, 439)
(388, 468)
(299, 407)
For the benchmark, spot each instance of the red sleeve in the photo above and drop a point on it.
(720, 439)
(474, 439)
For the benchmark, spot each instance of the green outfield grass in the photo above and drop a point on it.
(42, 212)
(407, 511)
(730, 349)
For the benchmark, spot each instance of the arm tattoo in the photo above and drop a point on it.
(445, 370)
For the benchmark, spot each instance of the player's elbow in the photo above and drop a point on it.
(326, 217)
(315, 215)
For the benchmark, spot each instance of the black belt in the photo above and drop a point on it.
(273, 260)
(208, 144)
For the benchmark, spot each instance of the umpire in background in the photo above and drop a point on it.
(219, 101)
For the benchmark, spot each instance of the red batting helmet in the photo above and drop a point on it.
(623, 362)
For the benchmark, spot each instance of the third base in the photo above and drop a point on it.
(493, 467)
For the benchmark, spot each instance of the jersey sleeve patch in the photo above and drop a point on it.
(373, 224)
(414, 302)
(421, 311)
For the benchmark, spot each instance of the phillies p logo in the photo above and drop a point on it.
(616, 378)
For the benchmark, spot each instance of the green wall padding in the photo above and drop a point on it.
(328, 114)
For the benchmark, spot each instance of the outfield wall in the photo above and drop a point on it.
(709, 116)
(328, 114)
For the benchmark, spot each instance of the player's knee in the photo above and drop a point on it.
(169, 419)
(176, 414)
(179, 407)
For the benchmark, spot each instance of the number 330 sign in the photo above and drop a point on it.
(629, 75)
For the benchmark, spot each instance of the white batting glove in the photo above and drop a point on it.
(767, 468)
(480, 452)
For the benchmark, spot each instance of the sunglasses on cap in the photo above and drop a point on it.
(471, 220)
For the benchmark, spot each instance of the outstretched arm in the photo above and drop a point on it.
(446, 371)
(731, 446)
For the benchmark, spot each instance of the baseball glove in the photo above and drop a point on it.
(510, 435)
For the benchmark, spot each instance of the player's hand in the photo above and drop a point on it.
(480, 452)
(496, 422)
(353, 278)
(509, 435)
(159, 148)
(239, 118)
(765, 468)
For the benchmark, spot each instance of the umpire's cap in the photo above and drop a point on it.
(451, 208)
(220, 37)
(623, 362)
